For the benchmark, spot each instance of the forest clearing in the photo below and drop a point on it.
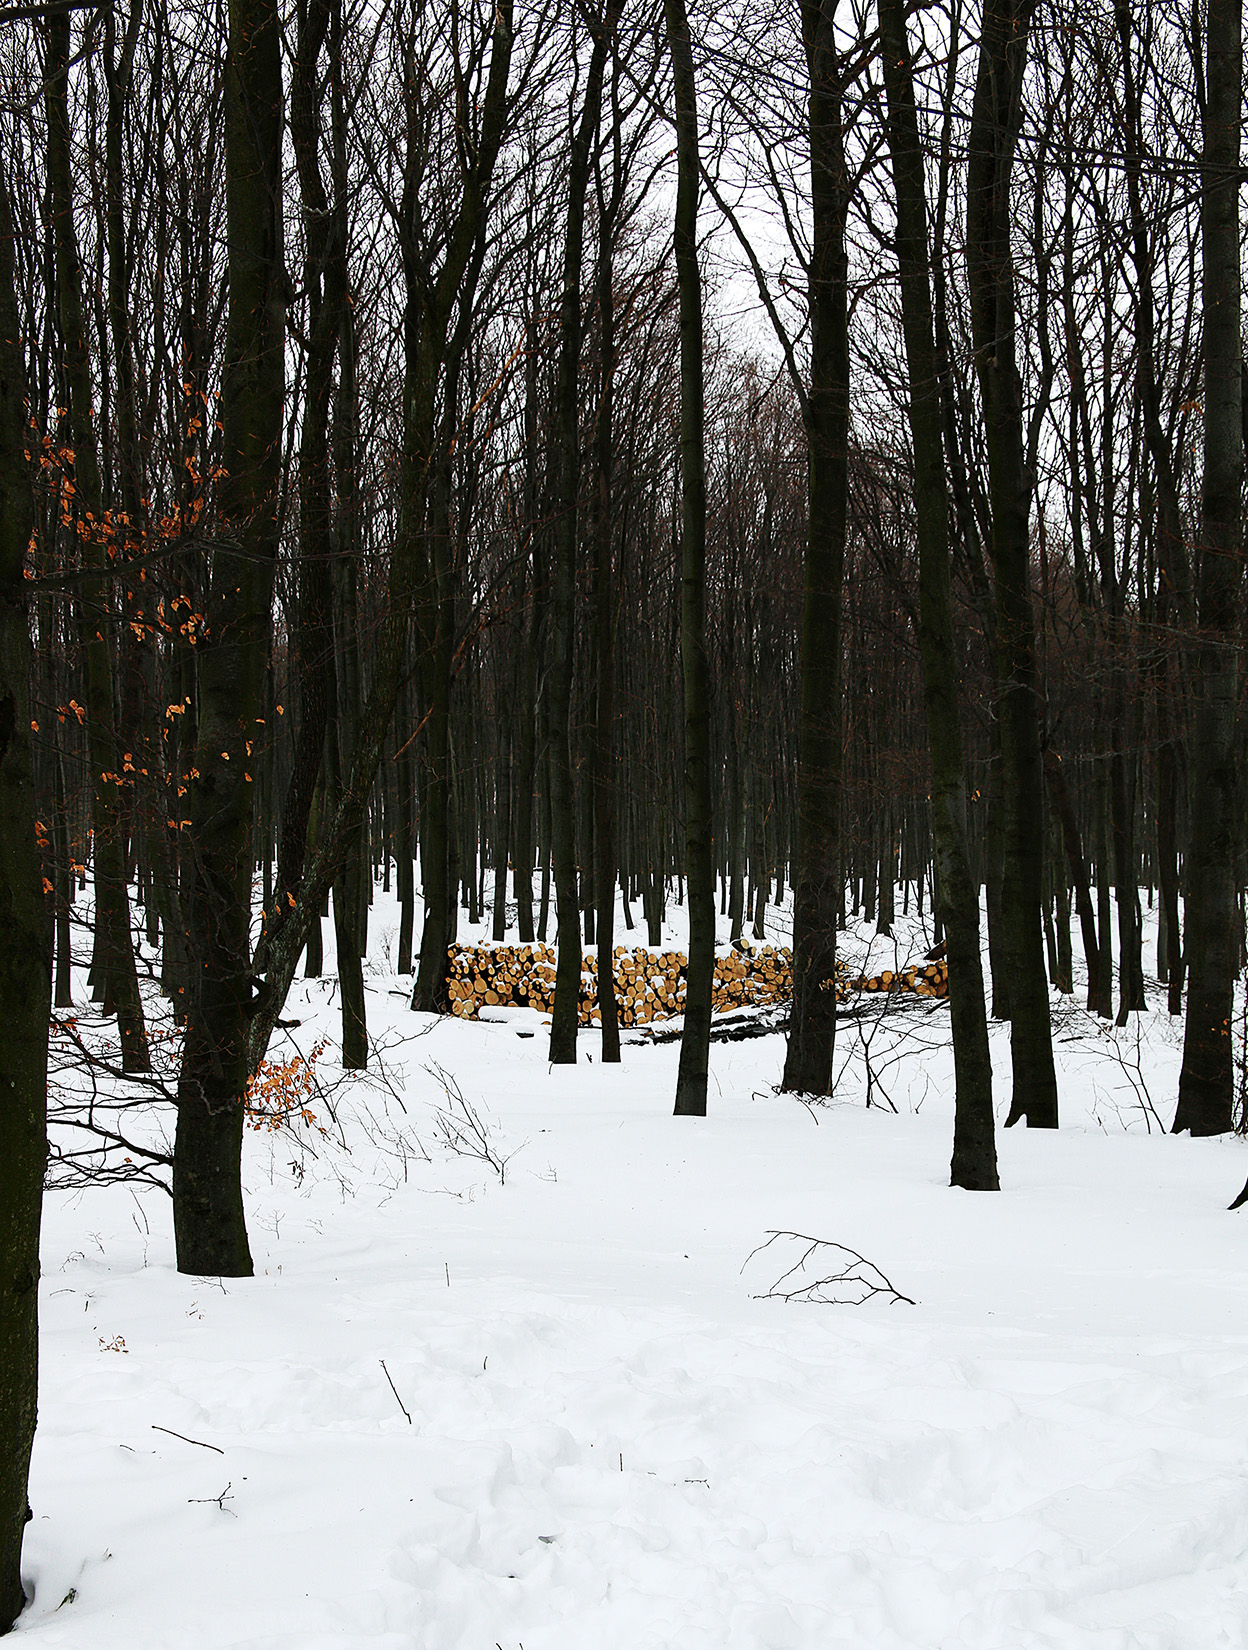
(589, 1428)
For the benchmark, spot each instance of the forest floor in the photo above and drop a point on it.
(503, 1379)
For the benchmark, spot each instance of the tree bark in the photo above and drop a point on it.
(993, 134)
(817, 867)
(209, 1223)
(1206, 1080)
(115, 946)
(974, 1164)
(695, 1042)
(1073, 847)
(25, 961)
(325, 280)
(604, 625)
(564, 1011)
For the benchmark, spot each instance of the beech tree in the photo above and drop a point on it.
(25, 960)
(209, 1222)
(974, 1151)
(992, 137)
(699, 828)
(1206, 1080)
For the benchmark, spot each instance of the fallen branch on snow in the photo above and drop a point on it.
(858, 1279)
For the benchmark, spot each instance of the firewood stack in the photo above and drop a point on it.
(648, 985)
(651, 985)
(932, 980)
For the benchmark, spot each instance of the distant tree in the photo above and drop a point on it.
(567, 476)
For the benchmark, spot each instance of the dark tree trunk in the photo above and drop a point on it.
(526, 771)
(63, 996)
(1206, 1080)
(502, 823)
(114, 945)
(974, 1164)
(604, 624)
(325, 279)
(994, 876)
(209, 1224)
(405, 876)
(993, 134)
(695, 1042)
(817, 868)
(25, 961)
(1168, 866)
(563, 1019)
(1060, 797)
(436, 625)
(1104, 1001)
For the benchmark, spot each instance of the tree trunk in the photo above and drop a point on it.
(817, 868)
(695, 1042)
(974, 1164)
(1206, 1080)
(325, 278)
(991, 141)
(1064, 808)
(604, 617)
(564, 1011)
(209, 1223)
(25, 962)
(115, 947)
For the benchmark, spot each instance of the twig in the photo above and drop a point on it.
(461, 1127)
(857, 1273)
(395, 1390)
(187, 1440)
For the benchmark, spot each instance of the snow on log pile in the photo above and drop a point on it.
(650, 985)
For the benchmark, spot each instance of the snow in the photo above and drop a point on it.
(613, 1443)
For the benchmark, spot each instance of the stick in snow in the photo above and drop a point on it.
(185, 1439)
(856, 1272)
(395, 1390)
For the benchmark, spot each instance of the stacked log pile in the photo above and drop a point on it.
(650, 985)
(931, 980)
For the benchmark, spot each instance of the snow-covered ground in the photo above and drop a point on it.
(590, 1433)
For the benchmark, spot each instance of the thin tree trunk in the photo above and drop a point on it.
(1104, 1004)
(604, 594)
(325, 278)
(1073, 846)
(405, 877)
(565, 1009)
(695, 1042)
(1168, 865)
(115, 947)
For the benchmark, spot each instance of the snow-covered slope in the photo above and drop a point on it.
(613, 1443)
